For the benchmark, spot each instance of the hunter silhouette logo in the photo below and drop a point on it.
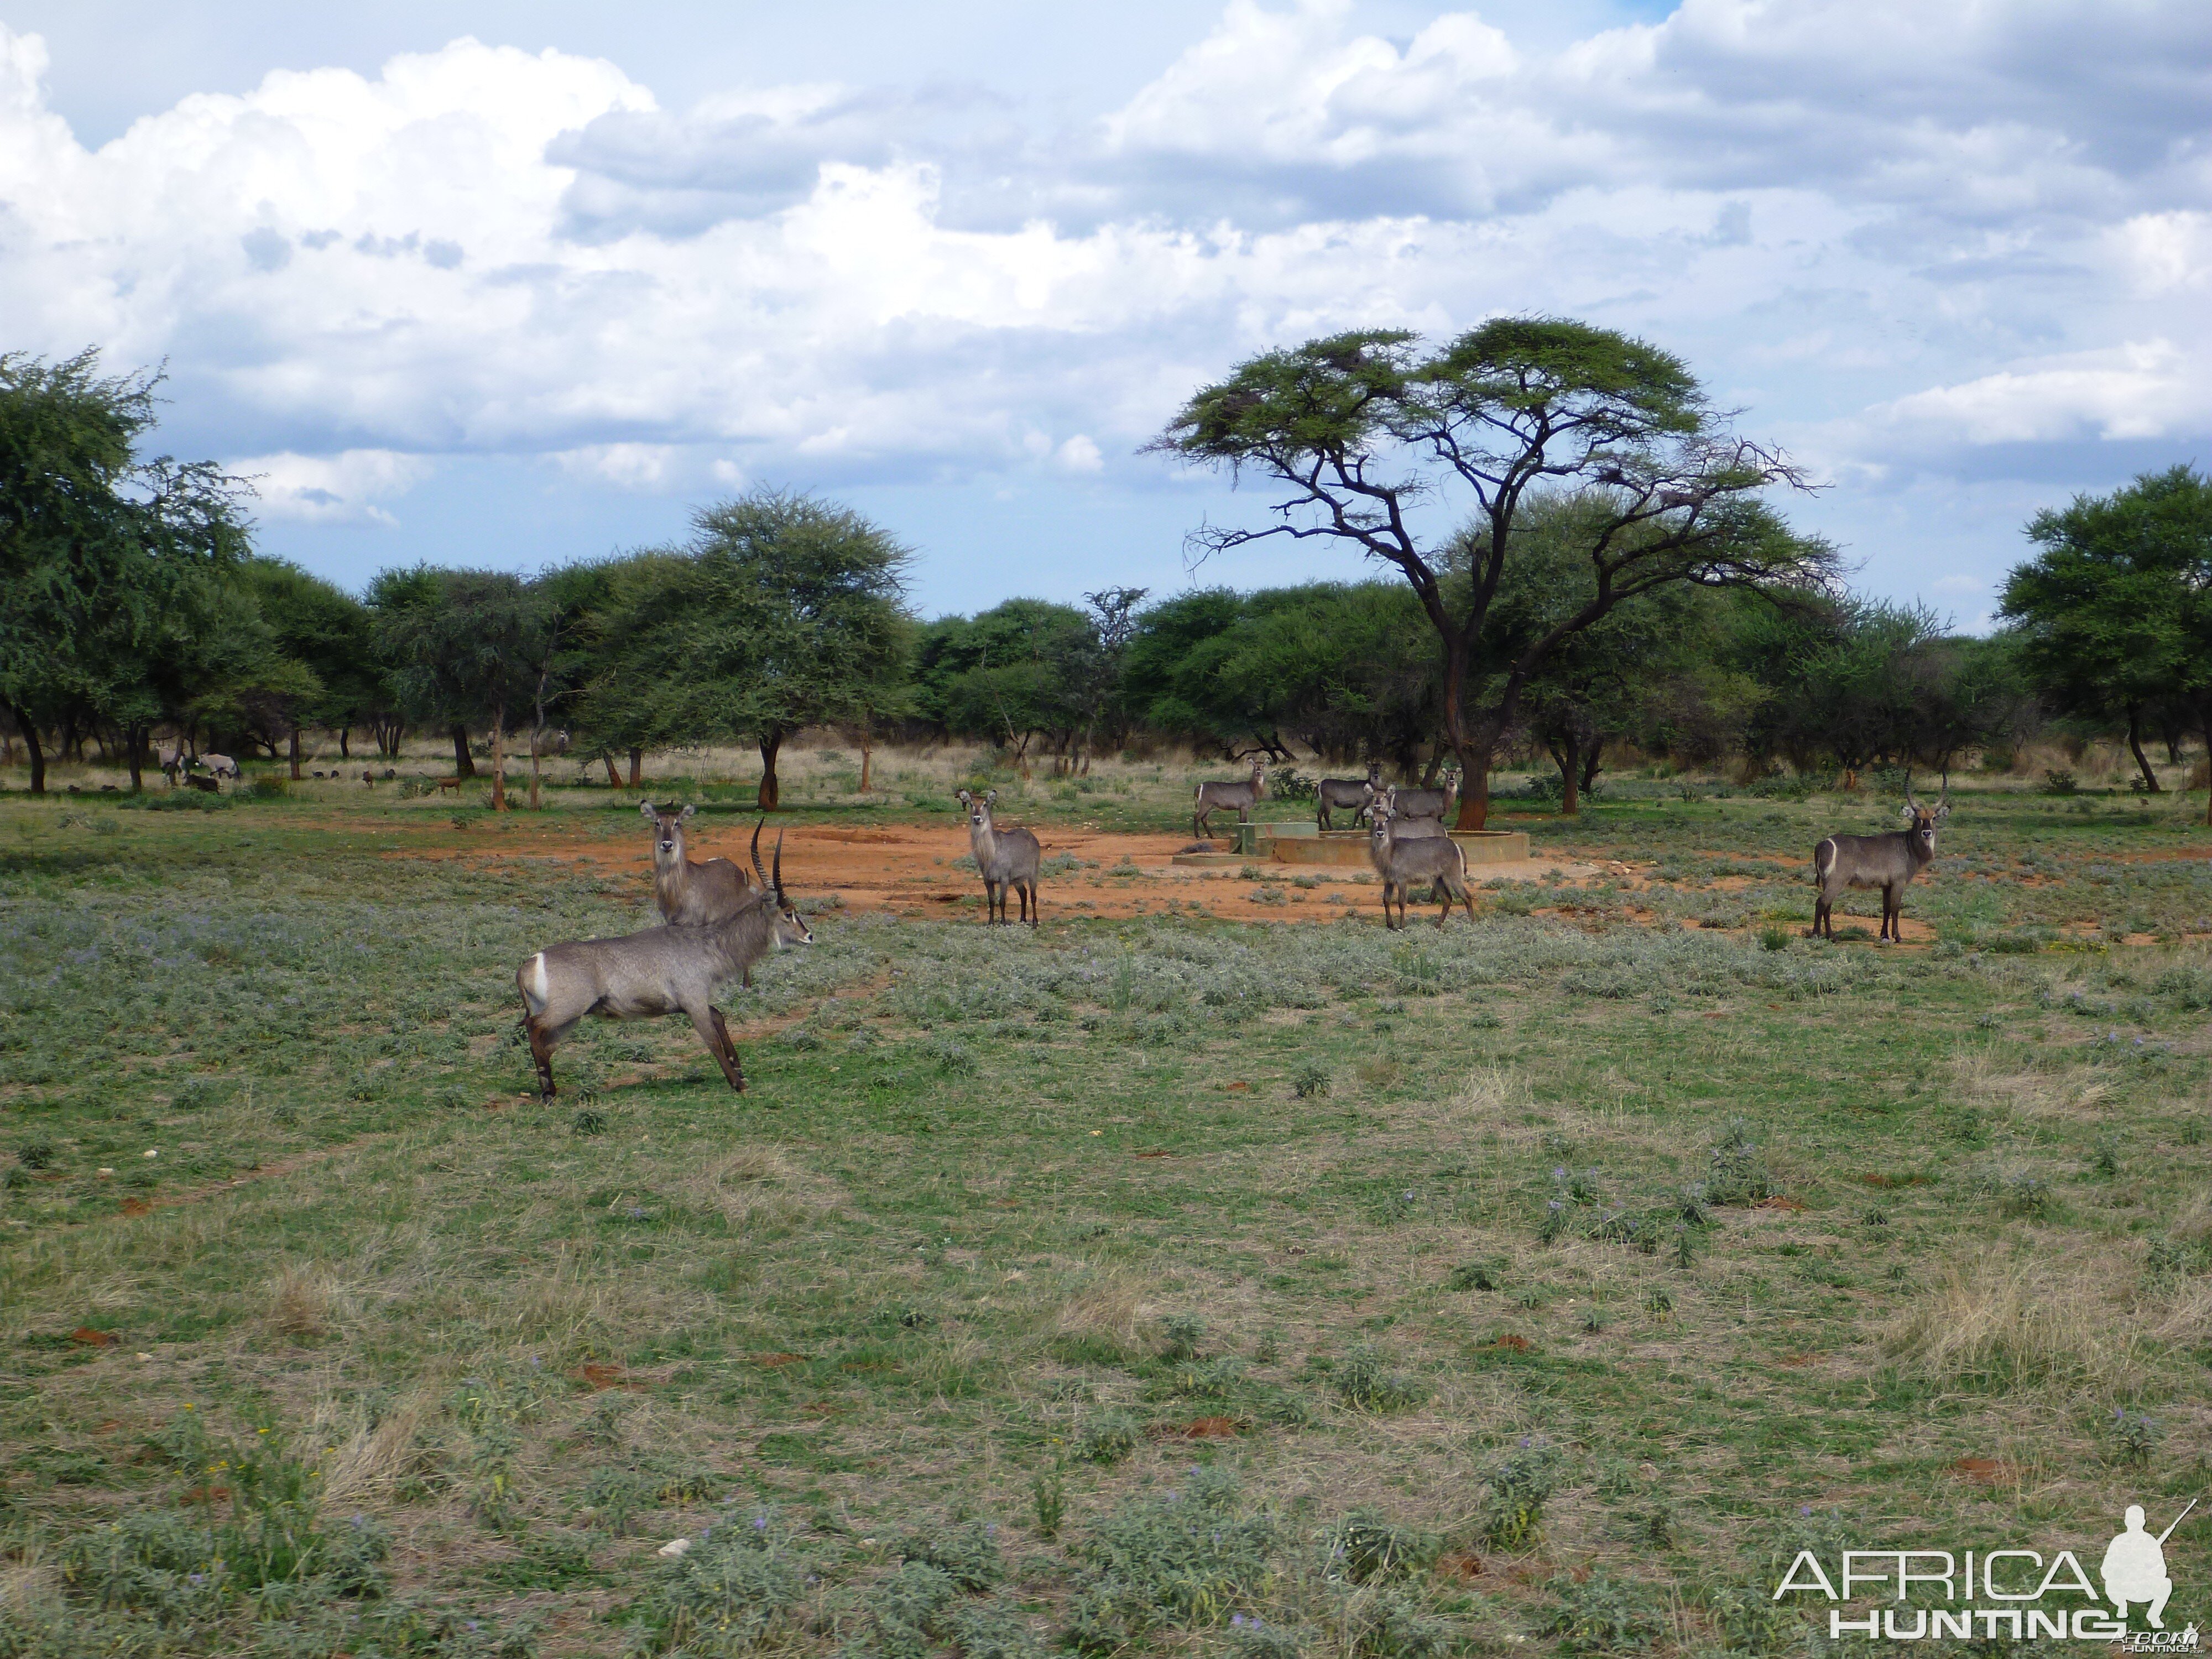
(2135, 1567)
(2016, 1595)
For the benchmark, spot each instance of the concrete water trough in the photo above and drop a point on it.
(1305, 842)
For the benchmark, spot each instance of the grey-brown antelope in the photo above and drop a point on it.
(662, 970)
(1406, 861)
(1415, 803)
(691, 895)
(1409, 826)
(1241, 796)
(1889, 862)
(1008, 857)
(1341, 794)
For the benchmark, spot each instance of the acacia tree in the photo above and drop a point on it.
(466, 643)
(108, 564)
(2115, 613)
(782, 611)
(1363, 428)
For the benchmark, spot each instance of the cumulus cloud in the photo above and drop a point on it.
(1892, 233)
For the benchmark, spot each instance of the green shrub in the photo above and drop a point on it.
(1601, 1615)
(1365, 1380)
(1108, 1437)
(37, 1153)
(1366, 1548)
(1310, 1080)
(967, 1554)
(741, 1582)
(1520, 1484)
(1186, 1557)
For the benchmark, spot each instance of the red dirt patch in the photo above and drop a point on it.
(1198, 1428)
(596, 1374)
(1462, 1564)
(1511, 1343)
(91, 1338)
(1793, 1205)
(137, 1206)
(1982, 1471)
(771, 1361)
(1886, 1182)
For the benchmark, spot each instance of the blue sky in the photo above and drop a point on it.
(514, 284)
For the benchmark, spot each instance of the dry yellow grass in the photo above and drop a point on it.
(761, 1183)
(1106, 1311)
(1981, 1079)
(1993, 1321)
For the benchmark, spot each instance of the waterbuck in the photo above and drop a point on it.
(1405, 861)
(1243, 796)
(1419, 803)
(662, 970)
(1340, 794)
(1889, 862)
(1409, 826)
(1006, 857)
(691, 895)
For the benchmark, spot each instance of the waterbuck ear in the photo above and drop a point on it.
(685, 813)
(1911, 816)
(645, 807)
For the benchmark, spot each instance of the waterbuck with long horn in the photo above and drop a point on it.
(1006, 857)
(1889, 862)
(1406, 861)
(1346, 795)
(663, 970)
(1242, 796)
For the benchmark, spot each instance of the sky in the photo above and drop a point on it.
(514, 284)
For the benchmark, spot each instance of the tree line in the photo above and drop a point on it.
(1621, 581)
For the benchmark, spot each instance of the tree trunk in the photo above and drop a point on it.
(498, 760)
(771, 794)
(2134, 746)
(465, 765)
(135, 736)
(1568, 753)
(2204, 721)
(614, 778)
(345, 734)
(637, 768)
(29, 733)
(1590, 758)
(536, 738)
(867, 754)
(295, 752)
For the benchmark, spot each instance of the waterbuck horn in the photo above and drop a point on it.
(779, 898)
(760, 874)
(1909, 799)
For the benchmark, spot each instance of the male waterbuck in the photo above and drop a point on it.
(662, 970)
(1243, 796)
(1343, 794)
(1889, 862)
(1405, 861)
(1008, 859)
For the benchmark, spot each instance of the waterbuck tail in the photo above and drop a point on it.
(536, 989)
(1823, 859)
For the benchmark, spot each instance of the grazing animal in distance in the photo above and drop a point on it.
(453, 784)
(1339, 794)
(1242, 796)
(1887, 861)
(663, 970)
(174, 760)
(1406, 861)
(1409, 826)
(1423, 803)
(1008, 859)
(220, 766)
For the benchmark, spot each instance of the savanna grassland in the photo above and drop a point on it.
(1138, 1284)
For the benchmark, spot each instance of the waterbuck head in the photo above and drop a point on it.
(979, 811)
(787, 925)
(1921, 820)
(667, 832)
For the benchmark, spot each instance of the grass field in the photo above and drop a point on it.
(1541, 1284)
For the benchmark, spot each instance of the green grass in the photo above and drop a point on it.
(1575, 1239)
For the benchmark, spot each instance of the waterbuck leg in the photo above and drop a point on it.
(706, 1020)
(1028, 893)
(541, 1051)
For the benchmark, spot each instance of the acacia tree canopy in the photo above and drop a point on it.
(2115, 611)
(1361, 429)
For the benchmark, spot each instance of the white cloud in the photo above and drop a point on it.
(341, 488)
(1889, 231)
